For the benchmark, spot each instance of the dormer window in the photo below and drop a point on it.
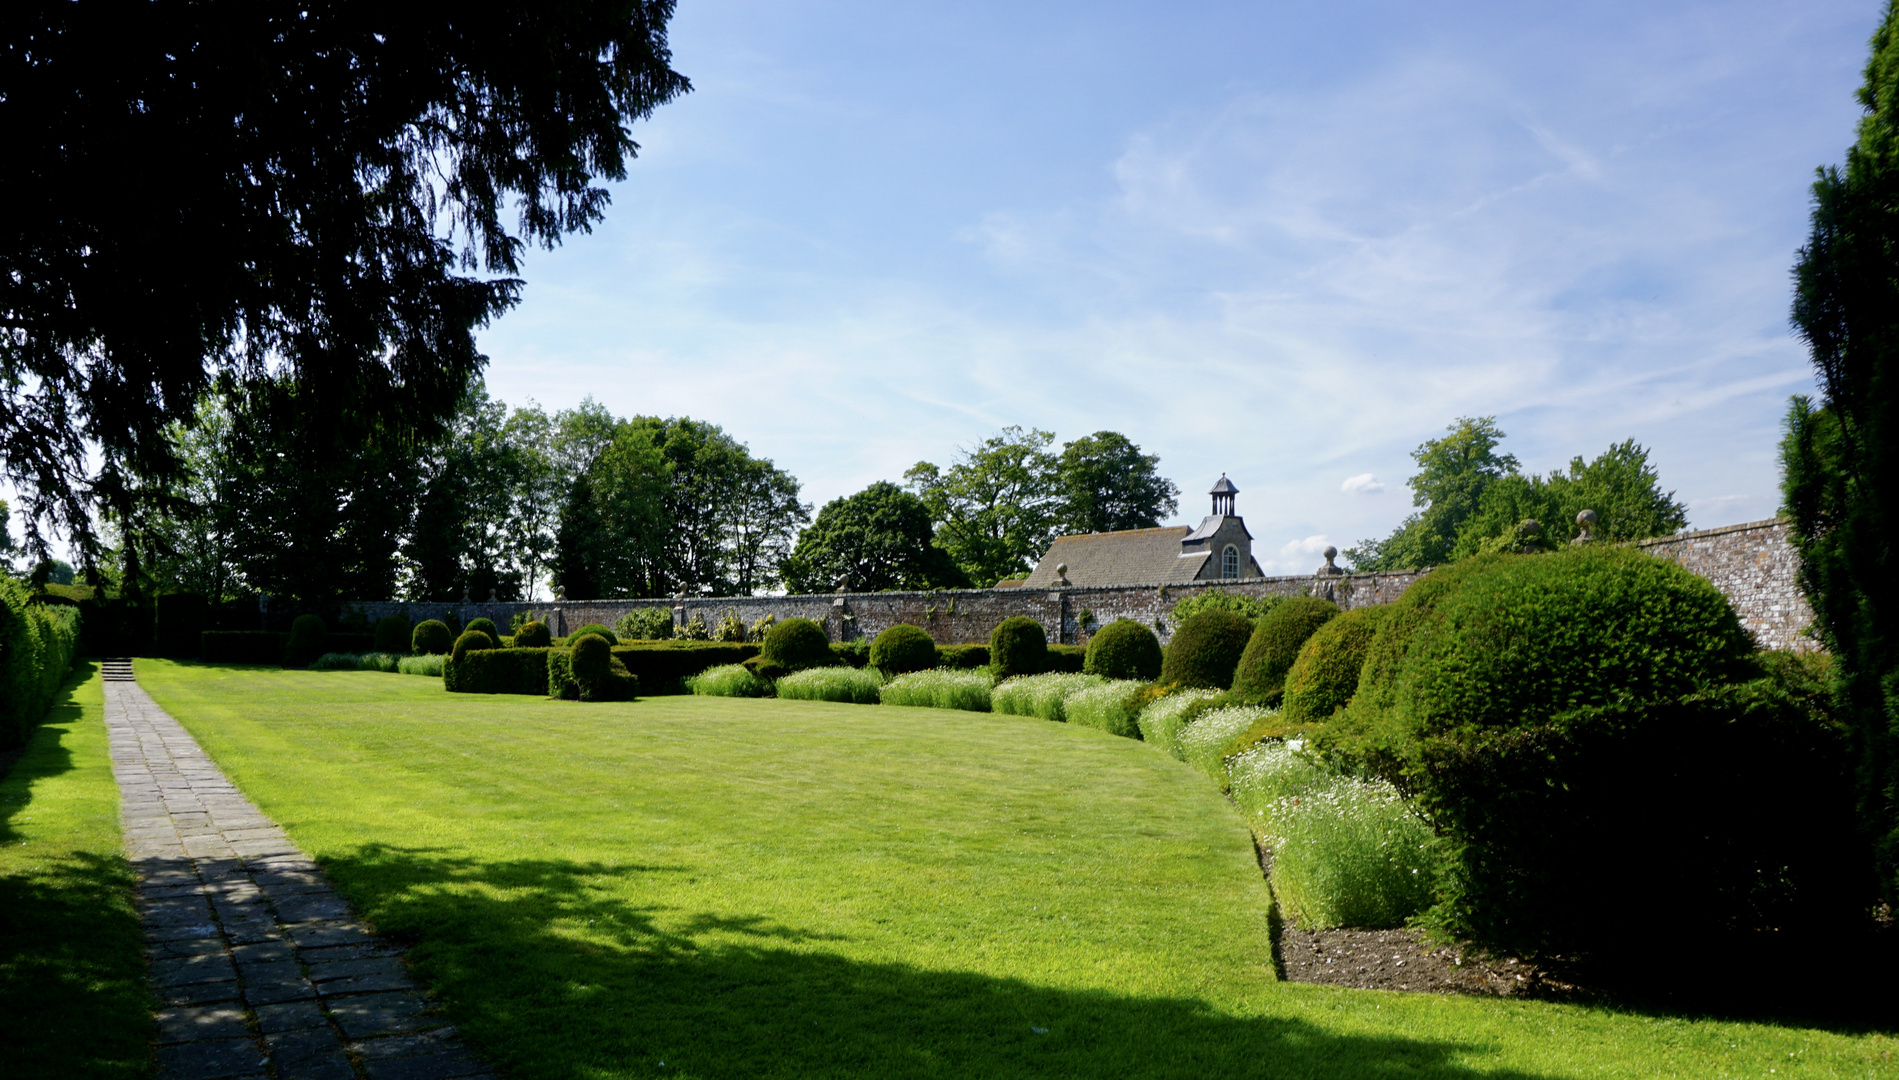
(1230, 562)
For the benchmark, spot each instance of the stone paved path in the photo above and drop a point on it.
(258, 966)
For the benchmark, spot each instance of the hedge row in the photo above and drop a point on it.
(37, 644)
(660, 667)
(269, 646)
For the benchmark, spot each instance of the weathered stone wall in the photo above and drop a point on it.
(1756, 566)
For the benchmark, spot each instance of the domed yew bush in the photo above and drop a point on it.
(392, 634)
(1206, 649)
(306, 640)
(1018, 646)
(533, 635)
(1124, 649)
(1324, 677)
(431, 637)
(593, 662)
(1595, 714)
(485, 625)
(1275, 644)
(593, 630)
(902, 649)
(796, 644)
(472, 639)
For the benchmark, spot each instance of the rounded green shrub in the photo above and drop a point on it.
(392, 634)
(306, 640)
(1324, 677)
(486, 626)
(472, 639)
(593, 664)
(902, 649)
(1018, 646)
(1206, 649)
(1275, 644)
(595, 630)
(1409, 613)
(431, 637)
(1124, 649)
(533, 635)
(794, 645)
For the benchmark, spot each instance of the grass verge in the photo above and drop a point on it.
(73, 1001)
(721, 887)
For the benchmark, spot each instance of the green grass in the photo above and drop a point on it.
(73, 1001)
(743, 888)
(851, 686)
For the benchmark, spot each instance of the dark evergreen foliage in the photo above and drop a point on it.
(796, 644)
(533, 635)
(485, 625)
(472, 639)
(431, 636)
(1206, 650)
(878, 539)
(392, 634)
(1276, 640)
(1124, 649)
(1018, 646)
(306, 640)
(1324, 677)
(902, 649)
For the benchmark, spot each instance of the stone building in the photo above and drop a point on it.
(1218, 549)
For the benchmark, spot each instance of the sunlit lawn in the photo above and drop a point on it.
(740, 888)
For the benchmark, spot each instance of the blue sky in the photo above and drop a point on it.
(1287, 242)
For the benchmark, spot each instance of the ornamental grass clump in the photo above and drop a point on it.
(1114, 707)
(1040, 695)
(1203, 741)
(942, 688)
(430, 664)
(1345, 852)
(335, 661)
(728, 680)
(1161, 721)
(849, 685)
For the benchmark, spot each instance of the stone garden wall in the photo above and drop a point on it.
(1753, 564)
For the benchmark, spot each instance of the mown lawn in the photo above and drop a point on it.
(712, 887)
(73, 1001)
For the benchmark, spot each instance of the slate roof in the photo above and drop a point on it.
(1132, 557)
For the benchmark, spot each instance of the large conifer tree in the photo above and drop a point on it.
(1842, 456)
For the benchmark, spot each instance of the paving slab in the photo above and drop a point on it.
(259, 967)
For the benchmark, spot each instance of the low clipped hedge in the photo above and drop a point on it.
(663, 666)
(796, 644)
(1206, 649)
(902, 649)
(497, 671)
(178, 619)
(1018, 646)
(37, 644)
(472, 639)
(1066, 659)
(243, 646)
(1124, 649)
(1276, 640)
(603, 676)
(1324, 677)
(962, 657)
(596, 630)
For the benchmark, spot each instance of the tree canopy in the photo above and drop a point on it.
(1473, 499)
(1841, 456)
(878, 539)
(319, 206)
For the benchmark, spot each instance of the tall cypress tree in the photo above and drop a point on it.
(1841, 457)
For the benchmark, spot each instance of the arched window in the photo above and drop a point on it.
(1230, 562)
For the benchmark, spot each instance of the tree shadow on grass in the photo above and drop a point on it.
(543, 994)
(44, 755)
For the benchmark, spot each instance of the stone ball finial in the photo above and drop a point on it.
(1585, 521)
(1330, 567)
(1061, 569)
(1529, 527)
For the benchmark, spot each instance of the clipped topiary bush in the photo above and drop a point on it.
(1124, 649)
(1205, 650)
(902, 649)
(593, 630)
(392, 634)
(1018, 646)
(1275, 644)
(1324, 677)
(533, 635)
(794, 645)
(589, 671)
(592, 662)
(486, 626)
(306, 640)
(472, 639)
(431, 638)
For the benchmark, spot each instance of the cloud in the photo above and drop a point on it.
(1362, 484)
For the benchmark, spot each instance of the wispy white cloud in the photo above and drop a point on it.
(1362, 484)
